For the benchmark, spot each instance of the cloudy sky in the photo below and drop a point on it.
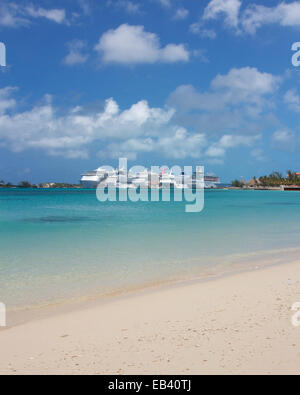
(161, 82)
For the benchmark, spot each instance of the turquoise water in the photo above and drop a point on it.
(62, 244)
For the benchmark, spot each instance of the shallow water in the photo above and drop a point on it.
(61, 244)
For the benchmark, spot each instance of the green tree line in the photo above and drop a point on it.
(275, 179)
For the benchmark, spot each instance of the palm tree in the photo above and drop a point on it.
(24, 184)
(237, 184)
(277, 175)
(290, 177)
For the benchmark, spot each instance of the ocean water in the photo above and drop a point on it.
(58, 245)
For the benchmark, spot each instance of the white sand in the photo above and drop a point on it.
(236, 324)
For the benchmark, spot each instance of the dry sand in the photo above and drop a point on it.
(235, 324)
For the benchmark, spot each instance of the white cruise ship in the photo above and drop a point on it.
(119, 178)
(93, 178)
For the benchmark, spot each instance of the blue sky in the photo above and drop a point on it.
(161, 82)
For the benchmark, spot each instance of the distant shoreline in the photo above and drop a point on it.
(94, 189)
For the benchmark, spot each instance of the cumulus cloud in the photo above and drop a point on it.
(7, 102)
(236, 84)
(283, 14)
(230, 106)
(133, 45)
(76, 53)
(219, 148)
(42, 128)
(193, 124)
(16, 15)
(227, 8)
(253, 16)
(178, 143)
(232, 88)
(138, 129)
(292, 99)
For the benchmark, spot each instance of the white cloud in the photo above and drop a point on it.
(75, 54)
(165, 3)
(258, 154)
(230, 89)
(229, 8)
(283, 14)
(6, 100)
(42, 128)
(292, 99)
(177, 144)
(181, 13)
(237, 85)
(285, 140)
(127, 149)
(182, 144)
(139, 129)
(133, 45)
(15, 15)
(85, 6)
(201, 54)
(252, 17)
(202, 125)
(173, 53)
(197, 28)
(283, 136)
(129, 6)
(219, 148)
(10, 15)
(55, 15)
(231, 105)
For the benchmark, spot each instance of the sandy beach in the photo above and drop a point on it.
(236, 324)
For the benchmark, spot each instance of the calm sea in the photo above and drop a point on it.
(61, 244)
